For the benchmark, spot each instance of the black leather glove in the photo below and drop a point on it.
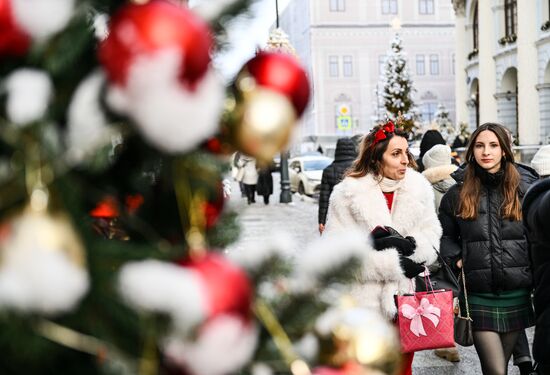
(388, 237)
(410, 268)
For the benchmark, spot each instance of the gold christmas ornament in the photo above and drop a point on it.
(362, 336)
(38, 230)
(263, 120)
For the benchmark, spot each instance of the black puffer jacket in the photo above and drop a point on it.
(344, 155)
(536, 218)
(495, 251)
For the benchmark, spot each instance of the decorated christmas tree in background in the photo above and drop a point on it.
(398, 87)
(115, 135)
(444, 124)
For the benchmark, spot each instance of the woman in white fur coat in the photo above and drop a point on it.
(382, 189)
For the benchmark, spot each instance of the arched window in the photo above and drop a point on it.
(476, 29)
(510, 16)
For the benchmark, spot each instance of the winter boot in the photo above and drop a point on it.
(448, 354)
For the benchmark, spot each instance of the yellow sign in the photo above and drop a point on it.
(344, 122)
(343, 110)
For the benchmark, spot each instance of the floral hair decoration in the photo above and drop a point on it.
(381, 134)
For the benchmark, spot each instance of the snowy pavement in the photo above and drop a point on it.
(299, 220)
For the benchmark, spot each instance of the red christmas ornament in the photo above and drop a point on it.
(143, 29)
(13, 40)
(226, 286)
(281, 72)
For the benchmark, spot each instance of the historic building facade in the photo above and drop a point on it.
(343, 43)
(503, 66)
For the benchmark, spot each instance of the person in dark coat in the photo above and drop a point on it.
(265, 182)
(344, 155)
(430, 139)
(483, 235)
(536, 218)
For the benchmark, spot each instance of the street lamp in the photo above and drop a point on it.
(278, 41)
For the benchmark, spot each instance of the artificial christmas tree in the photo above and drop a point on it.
(112, 159)
(398, 87)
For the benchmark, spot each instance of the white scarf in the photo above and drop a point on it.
(387, 185)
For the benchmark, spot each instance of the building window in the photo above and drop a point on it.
(475, 30)
(420, 66)
(348, 66)
(333, 66)
(428, 111)
(453, 64)
(337, 5)
(389, 6)
(426, 6)
(510, 16)
(381, 63)
(434, 65)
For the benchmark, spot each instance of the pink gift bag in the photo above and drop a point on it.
(426, 320)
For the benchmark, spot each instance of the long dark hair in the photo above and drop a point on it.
(370, 155)
(471, 190)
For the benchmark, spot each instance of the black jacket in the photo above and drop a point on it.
(265, 181)
(536, 218)
(494, 250)
(344, 155)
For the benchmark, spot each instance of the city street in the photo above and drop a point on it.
(299, 219)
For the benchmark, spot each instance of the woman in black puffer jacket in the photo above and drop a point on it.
(483, 232)
(344, 156)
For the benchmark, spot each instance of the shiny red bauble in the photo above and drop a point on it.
(227, 289)
(283, 73)
(143, 29)
(13, 40)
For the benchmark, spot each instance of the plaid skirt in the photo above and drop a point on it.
(502, 319)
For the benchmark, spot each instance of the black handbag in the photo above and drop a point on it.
(443, 278)
(463, 324)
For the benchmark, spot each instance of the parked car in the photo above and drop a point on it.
(305, 173)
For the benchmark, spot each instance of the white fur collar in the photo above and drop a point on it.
(368, 205)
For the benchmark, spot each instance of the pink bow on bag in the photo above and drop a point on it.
(425, 309)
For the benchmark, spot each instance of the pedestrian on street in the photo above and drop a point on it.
(383, 192)
(483, 236)
(536, 216)
(431, 138)
(265, 182)
(237, 172)
(438, 170)
(344, 155)
(249, 177)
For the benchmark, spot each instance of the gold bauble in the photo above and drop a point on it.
(39, 230)
(365, 337)
(263, 120)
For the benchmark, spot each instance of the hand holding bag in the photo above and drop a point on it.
(425, 320)
(443, 278)
(463, 324)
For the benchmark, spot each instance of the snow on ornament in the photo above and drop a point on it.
(209, 297)
(14, 41)
(42, 18)
(29, 92)
(42, 266)
(157, 59)
(271, 93)
(87, 128)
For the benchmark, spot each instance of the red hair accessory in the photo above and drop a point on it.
(381, 134)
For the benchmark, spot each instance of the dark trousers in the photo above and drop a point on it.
(250, 191)
(521, 351)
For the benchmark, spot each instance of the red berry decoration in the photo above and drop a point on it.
(13, 40)
(143, 29)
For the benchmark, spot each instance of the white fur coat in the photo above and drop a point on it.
(358, 203)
